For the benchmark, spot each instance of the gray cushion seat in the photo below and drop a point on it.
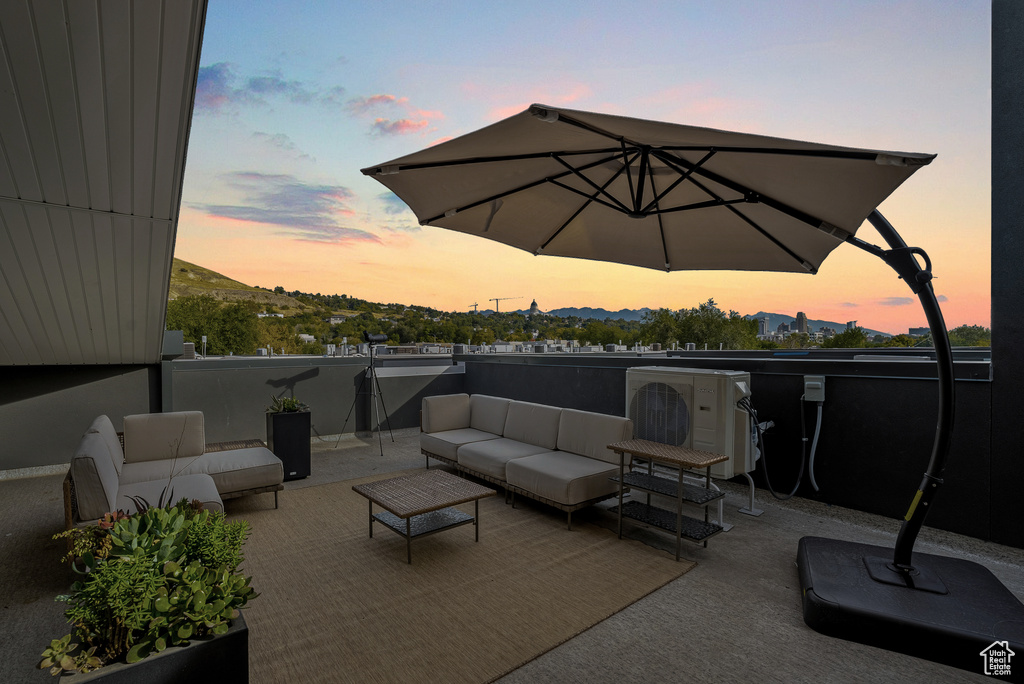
(562, 477)
(234, 470)
(490, 458)
(446, 444)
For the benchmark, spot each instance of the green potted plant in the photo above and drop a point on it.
(161, 578)
(288, 429)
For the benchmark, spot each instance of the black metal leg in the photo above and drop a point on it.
(622, 485)
(371, 518)
(476, 518)
(408, 540)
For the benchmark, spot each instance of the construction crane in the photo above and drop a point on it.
(474, 305)
(500, 299)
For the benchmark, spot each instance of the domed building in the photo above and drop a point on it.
(533, 308)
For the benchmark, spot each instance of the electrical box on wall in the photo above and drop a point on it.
(814, 388)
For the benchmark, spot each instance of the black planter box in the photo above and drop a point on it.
(221, 659)
(288, 438)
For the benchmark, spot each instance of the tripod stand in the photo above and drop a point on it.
(375, 391)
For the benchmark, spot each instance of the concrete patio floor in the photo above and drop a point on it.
(735, 617)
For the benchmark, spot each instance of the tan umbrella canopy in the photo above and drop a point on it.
(647, 193)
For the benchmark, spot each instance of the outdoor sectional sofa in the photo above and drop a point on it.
(554, 455)
(161, 450)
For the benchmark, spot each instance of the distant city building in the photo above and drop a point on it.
(762, 328)
(850, 325)
(783, 328)
(800, 325)
(533, 308)
(920, 332)
(266, 315)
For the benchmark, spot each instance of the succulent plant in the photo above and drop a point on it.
(286, 405)
(147, 581)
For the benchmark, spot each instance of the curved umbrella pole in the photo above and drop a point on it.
(903, 260)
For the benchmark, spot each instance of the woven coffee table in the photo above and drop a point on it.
(423, 504)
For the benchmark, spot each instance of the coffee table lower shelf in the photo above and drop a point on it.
(690, 528)
(425, 523)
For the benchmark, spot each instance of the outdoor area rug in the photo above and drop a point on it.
(335, 605)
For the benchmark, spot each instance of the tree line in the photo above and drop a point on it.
(235, 327)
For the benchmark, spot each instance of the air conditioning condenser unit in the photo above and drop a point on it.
(694, 408)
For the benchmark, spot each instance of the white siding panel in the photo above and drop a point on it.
(86, 47)
(145, 82)
(20, 269)
(51, 292)
(16, 339)
(84, 236)
(62, 98)
(81, 347)
(106, 269)
(31, 88)
(117, 63)
(17, 173)
(161, 257)
(174, 109)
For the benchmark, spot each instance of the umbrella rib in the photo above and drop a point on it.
(600, 190)
(661, 224)
(682, 177)
(752, 195)
(387, 169)
(533, 184)
(753, 224)
(590, 198)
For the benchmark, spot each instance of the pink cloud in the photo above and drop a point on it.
(384, 107)
(399, 127)
(365, 105)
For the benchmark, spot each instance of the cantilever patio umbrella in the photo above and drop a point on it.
(666, 196)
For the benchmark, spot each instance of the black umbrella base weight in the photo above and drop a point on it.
(957, 610)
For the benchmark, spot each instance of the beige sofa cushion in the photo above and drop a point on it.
(489, 458)
(532, 423)
(488, 413)
(446, 444)
(563, 477)
(105, 429)
(187, 487)
(445, 412)
(92, 469)
(234, 470)
(589, 434)
(159, 436)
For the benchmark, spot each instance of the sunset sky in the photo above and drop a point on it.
(295, 97)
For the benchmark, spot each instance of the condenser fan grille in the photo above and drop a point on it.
(660, 414)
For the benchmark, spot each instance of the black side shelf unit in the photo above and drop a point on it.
(682, 526)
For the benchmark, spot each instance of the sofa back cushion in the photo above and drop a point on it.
(532, 423)
(445, 412)
(589, 434)
(488, 413)
(105, 429)
(157, 436)
(92, 469)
